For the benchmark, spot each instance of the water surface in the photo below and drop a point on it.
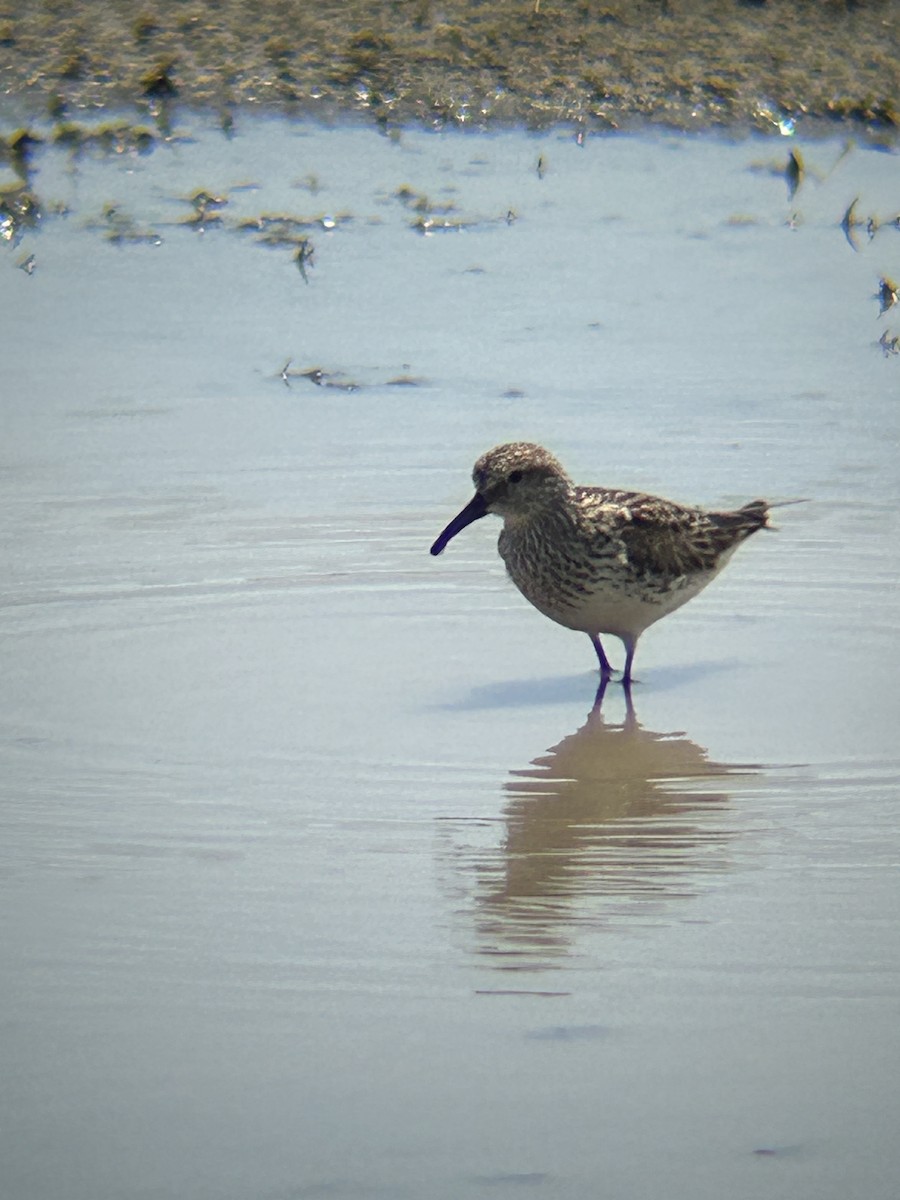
(320, 876)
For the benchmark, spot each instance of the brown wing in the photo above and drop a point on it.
(668, 540)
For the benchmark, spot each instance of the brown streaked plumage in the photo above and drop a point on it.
(596, 559)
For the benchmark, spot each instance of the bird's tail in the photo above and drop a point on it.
(756, 513)
(764, 506)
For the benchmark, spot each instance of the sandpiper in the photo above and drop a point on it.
(596, 559)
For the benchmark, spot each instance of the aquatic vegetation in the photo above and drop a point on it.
(205, 208)
(158, 83)
(120, 228)
(202, 219)
(283, 229)
(406, 381)
(420, 202)
(111, 137)
(18, 150)
(203, 201)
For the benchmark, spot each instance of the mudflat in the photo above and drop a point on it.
(687, 63)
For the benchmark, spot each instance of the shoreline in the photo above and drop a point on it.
(682, 64)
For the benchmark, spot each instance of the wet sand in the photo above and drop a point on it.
(686, 63)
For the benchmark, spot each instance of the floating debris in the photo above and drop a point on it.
(794, 172)
(428, 225)
(435, 218)
(421, 203)
(886, 295)
(277, 230)
(309, 183)
(121, 228)
(329, 379)
(314, 375)
(406, 381)
(287, 232)
(281, 229)
(203, 200)
(303, 256)
(541, 167)
(889, 343)
(205, 206)
(27, 264)
(850, 222)
(19, 210)
(319, 378)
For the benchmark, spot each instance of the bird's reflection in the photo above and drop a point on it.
(611, 825)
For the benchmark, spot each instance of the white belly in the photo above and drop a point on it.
(622, 612)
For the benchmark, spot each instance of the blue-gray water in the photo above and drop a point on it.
(317, 878)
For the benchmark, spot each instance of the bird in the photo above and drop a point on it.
(594, 559)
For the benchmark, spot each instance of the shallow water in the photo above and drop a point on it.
(320, 878)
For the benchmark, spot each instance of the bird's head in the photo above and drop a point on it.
(518, 481)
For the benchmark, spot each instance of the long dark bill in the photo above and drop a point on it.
(474, 510)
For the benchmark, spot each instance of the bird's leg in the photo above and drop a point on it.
(605, 668)
(630, 645)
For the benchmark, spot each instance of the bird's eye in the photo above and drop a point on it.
(515, 476)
